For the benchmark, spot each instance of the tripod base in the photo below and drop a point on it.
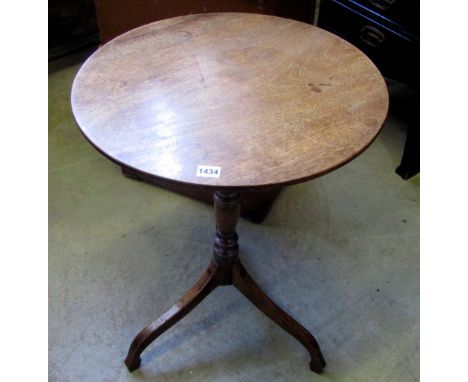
(213, 277)
(225, 269)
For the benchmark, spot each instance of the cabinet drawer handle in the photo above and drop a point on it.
(382, 4)
(372, 36)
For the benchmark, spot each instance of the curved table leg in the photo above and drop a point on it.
(190, 300)
(247, 286)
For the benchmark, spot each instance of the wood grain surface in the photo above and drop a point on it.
(270, 101)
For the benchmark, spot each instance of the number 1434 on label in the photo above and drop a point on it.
(208, 171)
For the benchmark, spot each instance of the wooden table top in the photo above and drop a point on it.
(267, 101)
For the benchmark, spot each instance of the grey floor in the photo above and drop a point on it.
(340, 253)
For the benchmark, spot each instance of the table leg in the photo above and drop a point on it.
(179, 310)
(226, 254)
(249, 288)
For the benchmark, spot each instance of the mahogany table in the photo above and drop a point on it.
(229, 102)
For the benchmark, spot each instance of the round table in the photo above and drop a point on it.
(229, 102)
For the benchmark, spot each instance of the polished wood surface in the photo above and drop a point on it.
(225, 269)
(269, 100)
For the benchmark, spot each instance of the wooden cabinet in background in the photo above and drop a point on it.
(118, 16)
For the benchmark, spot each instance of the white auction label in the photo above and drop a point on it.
(208, 171)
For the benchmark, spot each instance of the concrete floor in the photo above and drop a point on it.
(339, 253)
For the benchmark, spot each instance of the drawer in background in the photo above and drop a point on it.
(402, 14)
(395, 54)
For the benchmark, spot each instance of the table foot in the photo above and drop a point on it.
(132, 362)
(249, 288)
(179, 310)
